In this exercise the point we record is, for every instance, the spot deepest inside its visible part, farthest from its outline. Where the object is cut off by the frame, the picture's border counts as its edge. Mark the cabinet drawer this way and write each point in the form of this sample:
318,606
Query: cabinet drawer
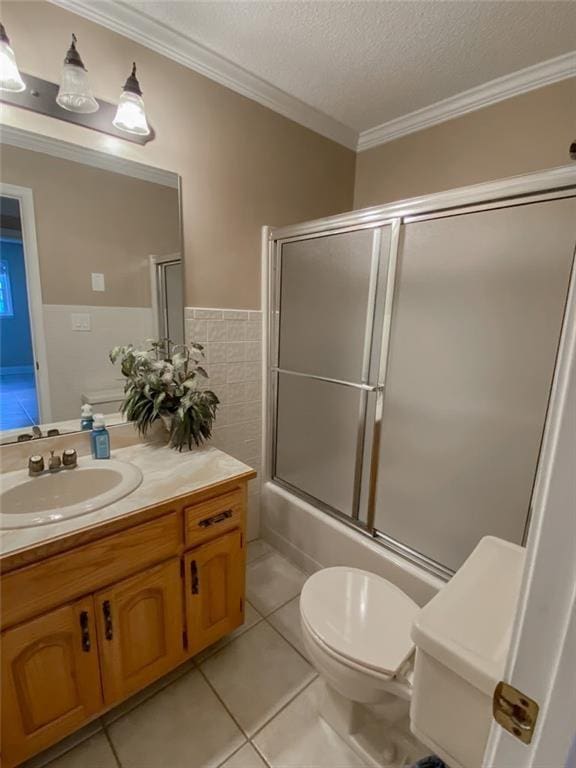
56,580
213,517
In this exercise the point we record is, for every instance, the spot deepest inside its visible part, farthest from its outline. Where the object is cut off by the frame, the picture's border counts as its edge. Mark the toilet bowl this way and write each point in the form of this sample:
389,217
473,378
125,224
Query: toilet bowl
356,629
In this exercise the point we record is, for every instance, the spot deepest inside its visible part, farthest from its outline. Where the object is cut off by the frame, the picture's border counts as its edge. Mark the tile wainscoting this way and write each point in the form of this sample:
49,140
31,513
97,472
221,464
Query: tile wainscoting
232,340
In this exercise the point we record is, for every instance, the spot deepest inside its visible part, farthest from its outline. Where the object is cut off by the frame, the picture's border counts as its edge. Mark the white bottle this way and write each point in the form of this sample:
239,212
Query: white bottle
86,419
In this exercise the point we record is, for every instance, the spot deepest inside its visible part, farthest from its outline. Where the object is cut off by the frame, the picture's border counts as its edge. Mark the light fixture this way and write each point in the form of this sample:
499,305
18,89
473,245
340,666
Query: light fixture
10,78
131,115
75,94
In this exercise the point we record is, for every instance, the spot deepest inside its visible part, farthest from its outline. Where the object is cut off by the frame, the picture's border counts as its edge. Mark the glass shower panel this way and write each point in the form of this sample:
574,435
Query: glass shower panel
477,314
316,438
325,292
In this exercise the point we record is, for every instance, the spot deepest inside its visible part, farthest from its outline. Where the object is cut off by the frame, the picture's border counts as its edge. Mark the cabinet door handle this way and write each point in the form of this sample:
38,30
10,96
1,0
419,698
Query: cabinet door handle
194,575
107,611
85,632
208,521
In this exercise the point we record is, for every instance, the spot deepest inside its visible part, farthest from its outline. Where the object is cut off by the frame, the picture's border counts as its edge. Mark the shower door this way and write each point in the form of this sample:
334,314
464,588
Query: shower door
477,313
324,370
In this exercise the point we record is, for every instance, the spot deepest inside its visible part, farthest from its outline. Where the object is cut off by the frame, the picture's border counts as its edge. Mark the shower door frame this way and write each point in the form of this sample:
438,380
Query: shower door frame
553,184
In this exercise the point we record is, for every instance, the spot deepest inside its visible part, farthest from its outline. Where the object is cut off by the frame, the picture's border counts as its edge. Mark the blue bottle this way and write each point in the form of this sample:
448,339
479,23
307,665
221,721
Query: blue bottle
100,438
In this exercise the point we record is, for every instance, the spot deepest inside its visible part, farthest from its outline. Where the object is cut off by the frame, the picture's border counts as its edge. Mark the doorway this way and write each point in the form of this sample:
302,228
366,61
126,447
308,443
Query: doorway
24,397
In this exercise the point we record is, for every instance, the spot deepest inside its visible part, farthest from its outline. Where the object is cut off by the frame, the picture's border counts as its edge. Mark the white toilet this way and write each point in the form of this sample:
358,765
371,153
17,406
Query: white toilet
358,630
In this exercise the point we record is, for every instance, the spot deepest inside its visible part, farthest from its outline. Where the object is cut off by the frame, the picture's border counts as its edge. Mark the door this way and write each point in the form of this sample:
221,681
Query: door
140,629
50,679
214,590
476,320
325,362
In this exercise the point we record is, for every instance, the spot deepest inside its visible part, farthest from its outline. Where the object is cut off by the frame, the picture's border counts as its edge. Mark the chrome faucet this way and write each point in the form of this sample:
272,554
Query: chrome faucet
36,466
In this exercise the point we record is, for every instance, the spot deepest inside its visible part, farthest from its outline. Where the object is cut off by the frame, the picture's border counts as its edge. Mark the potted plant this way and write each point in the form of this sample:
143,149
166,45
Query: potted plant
165,382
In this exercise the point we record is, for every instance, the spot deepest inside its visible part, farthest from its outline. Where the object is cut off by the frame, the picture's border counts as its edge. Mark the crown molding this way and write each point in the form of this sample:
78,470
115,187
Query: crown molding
170,43
545,73
18,137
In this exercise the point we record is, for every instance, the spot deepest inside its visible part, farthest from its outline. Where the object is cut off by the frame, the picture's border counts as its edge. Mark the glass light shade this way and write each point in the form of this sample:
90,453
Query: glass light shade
75,94
10,79
131,115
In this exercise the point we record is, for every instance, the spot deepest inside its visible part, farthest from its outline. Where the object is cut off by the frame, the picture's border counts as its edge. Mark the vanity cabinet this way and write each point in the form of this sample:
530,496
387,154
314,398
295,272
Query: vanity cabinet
50,679
115,609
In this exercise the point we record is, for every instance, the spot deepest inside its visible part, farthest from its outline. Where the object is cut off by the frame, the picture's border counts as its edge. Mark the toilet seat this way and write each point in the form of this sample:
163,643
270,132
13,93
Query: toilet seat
360,619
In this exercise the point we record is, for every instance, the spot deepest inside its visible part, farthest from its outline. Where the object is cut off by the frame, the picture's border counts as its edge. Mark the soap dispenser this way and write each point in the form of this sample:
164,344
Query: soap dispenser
86,418
100,438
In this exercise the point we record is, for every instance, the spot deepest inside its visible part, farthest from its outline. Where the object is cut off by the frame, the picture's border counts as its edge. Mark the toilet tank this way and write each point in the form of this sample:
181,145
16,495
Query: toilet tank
462,638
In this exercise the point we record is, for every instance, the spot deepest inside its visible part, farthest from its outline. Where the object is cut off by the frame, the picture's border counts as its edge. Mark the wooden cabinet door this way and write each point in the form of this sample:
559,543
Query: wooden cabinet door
214,590
50,679
140,629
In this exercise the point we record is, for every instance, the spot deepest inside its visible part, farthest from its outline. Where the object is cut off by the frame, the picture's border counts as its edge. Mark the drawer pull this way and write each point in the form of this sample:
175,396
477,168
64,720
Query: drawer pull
194,575
107,611
208,521
85,630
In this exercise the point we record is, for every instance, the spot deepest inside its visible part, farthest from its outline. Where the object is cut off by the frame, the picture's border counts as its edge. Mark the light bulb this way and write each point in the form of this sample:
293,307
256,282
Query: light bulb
75,93
10,78
131,114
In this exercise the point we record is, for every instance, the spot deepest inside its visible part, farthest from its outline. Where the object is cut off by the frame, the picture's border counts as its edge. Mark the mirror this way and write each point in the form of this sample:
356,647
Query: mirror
90,258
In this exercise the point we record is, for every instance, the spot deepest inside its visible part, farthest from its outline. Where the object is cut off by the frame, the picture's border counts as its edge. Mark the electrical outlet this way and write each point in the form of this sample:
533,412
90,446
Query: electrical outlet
80,321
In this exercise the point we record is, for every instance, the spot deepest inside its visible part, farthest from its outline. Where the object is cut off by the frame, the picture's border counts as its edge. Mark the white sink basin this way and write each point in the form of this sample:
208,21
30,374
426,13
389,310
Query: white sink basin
29,501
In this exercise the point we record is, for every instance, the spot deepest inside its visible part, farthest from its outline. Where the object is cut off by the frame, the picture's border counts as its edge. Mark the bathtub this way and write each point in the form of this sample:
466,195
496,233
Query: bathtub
313,539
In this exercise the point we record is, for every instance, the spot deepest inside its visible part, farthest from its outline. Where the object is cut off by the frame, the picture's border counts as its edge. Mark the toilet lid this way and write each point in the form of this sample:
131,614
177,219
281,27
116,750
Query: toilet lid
360,616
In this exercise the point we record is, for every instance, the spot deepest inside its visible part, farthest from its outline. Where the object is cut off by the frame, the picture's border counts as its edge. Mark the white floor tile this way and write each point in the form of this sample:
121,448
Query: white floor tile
271,581
299,737
93,753
183,726
247,757
257,549
287,621
146,693
251,617
256,675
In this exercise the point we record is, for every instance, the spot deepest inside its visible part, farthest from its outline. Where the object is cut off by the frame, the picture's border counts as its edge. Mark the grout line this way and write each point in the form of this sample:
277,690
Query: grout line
287,639
283,707
111,743
215,692
260,753
233,753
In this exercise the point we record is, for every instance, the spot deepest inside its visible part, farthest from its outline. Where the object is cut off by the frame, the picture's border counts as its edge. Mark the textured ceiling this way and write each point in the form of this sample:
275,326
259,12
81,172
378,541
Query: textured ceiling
365,63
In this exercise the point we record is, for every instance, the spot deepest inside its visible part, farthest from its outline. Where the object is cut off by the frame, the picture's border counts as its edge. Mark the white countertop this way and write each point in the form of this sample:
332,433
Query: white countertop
166,475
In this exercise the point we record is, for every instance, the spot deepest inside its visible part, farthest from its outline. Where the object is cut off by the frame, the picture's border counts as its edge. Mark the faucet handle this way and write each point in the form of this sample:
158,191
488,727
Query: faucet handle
35,465
69,458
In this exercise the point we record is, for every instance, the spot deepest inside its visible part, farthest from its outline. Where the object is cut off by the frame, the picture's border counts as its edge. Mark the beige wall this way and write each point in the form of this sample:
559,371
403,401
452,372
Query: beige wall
91,220
242,165
526,133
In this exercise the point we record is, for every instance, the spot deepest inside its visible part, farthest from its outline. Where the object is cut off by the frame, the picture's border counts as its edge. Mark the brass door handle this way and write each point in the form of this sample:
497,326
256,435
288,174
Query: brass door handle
194,577
107,611
85,632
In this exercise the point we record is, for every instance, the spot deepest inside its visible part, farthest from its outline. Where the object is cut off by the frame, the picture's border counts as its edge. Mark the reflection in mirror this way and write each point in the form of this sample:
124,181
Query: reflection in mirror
90,258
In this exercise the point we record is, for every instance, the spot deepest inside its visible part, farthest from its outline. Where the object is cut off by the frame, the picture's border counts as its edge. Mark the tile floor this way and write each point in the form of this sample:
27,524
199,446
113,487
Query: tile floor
18,401
246,702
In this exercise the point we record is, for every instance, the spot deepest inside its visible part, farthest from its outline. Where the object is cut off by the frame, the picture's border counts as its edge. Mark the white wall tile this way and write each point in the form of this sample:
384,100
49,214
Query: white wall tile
207,314
233,353
253,331
236,351
216,330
